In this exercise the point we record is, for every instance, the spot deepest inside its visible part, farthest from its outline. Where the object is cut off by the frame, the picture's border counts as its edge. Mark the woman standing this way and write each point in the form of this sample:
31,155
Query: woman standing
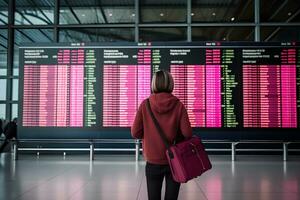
173,119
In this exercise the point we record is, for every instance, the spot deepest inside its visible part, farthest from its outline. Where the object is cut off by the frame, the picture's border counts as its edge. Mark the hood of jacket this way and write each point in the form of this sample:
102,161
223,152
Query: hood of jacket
163,102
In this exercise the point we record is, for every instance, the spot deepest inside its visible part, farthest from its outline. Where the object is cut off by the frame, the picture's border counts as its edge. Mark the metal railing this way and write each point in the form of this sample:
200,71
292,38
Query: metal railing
92,142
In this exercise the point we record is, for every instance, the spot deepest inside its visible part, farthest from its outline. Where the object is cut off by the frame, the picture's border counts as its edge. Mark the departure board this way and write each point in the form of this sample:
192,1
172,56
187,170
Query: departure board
58,88
125,85
99,86
269,88
205,86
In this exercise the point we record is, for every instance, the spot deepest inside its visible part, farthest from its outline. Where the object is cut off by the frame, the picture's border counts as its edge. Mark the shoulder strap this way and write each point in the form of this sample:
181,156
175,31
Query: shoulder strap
160,131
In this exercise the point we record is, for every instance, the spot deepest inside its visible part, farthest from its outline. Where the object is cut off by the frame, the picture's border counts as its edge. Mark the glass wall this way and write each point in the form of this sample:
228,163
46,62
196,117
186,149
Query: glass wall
3,56
280,33
222,11
280,11
171,11
2,89
223,34
96,12
23,36
3,12
34,12
3,52
96,35
2,111
162,34
34,21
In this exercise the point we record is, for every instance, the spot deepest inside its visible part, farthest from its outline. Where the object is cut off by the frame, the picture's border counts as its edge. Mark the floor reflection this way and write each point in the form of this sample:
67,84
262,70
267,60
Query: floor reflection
120,177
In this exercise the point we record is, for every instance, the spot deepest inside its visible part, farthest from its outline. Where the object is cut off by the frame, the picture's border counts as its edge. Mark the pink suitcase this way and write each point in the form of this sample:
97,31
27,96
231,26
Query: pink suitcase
188,159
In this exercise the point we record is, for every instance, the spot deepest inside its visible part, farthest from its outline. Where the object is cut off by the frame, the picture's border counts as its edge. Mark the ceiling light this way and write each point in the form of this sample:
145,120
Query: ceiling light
224,38
133,15
110,14
192,14
161,14
232,19
213,14
289,14
83,15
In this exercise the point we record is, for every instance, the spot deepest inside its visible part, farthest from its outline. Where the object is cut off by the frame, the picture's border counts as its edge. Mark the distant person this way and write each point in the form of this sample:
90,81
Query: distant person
10,132
4,123
173,119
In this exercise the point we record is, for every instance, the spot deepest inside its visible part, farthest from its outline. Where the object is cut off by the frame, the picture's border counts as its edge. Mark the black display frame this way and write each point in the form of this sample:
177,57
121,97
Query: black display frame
122,133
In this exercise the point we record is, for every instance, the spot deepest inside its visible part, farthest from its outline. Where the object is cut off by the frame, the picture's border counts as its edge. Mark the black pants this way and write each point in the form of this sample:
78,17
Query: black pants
155,175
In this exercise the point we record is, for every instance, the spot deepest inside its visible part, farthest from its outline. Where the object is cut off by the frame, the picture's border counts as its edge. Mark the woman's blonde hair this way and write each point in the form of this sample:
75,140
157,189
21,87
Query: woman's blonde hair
162,81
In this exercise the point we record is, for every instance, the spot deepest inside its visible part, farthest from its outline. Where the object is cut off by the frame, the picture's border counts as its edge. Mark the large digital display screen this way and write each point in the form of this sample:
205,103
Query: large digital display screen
59,88
126,83
99,87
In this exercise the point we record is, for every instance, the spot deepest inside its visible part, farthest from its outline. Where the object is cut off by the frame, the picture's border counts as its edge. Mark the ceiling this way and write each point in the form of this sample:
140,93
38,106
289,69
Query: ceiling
41,12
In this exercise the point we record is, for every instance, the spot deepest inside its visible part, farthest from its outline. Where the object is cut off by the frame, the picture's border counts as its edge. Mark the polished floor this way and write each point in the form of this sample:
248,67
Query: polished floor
74,177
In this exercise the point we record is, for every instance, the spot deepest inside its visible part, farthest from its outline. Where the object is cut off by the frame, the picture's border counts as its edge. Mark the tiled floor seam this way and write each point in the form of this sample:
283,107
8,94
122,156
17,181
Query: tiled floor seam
39,184
79,189
138,194
203,193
